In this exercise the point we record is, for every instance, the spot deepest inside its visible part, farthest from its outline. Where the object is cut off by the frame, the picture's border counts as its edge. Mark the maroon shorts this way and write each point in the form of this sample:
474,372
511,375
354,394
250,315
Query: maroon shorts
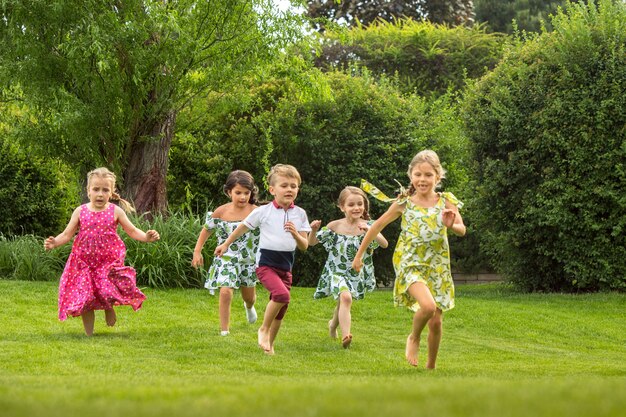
278,283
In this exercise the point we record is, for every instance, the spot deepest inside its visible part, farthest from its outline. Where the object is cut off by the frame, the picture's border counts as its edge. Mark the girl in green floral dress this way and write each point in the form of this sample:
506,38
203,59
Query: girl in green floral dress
236,268
341,238
422,256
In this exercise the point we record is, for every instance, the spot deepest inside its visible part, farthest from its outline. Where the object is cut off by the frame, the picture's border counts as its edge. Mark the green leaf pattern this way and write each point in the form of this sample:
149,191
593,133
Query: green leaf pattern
237,266
422,254
338,275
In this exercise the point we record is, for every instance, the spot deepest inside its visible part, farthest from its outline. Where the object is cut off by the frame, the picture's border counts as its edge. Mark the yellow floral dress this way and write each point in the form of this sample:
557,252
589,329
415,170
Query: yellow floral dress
422,253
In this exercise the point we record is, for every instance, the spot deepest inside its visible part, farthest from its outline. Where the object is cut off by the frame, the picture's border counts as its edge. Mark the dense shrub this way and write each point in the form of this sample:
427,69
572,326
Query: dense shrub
162,264
426,58
549,140
338,131
37,194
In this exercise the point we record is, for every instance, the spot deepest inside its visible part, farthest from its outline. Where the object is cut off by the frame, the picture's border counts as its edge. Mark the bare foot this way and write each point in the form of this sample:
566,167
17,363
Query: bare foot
110,317
264,339
332,330
412,349
345,342
270,351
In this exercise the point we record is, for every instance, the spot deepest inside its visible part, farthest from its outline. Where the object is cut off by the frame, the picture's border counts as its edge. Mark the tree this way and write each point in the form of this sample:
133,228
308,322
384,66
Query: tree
104,81
454,12
528,14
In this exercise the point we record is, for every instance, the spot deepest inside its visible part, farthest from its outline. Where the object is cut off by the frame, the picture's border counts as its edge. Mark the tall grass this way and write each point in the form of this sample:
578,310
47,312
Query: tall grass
162,264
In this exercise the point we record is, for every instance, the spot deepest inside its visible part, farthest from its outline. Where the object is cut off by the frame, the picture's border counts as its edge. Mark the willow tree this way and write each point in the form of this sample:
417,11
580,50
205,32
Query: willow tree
103,81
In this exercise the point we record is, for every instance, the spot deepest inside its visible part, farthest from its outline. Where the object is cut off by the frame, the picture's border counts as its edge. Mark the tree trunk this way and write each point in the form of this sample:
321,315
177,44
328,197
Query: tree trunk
145,176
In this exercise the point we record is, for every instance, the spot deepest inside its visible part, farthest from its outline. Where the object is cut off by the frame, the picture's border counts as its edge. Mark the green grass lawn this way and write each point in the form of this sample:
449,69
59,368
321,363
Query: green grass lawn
503,354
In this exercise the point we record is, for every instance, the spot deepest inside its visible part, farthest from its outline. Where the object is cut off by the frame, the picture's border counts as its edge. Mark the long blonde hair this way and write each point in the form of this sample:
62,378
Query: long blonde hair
104,173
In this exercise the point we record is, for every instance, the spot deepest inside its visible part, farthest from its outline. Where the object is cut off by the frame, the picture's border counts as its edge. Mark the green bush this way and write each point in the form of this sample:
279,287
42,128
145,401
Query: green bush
162,264
425,58
338,130
37,194
549,139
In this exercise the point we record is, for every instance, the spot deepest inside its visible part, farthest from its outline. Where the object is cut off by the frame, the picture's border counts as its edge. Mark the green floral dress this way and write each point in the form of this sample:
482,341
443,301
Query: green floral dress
338,275
422,253
234,268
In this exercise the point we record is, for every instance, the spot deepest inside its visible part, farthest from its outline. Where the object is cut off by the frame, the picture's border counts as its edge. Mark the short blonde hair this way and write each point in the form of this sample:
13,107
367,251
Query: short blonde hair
104,173
284,170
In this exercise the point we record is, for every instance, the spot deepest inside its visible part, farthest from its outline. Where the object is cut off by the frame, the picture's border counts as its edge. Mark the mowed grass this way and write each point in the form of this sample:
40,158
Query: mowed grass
503,354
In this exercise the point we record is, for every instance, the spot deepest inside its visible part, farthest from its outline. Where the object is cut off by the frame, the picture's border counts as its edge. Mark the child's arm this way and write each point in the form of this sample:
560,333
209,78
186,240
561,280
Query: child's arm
198,260
382,242
452,219
66,235
301,238
236,234
312,238
392,213
132,231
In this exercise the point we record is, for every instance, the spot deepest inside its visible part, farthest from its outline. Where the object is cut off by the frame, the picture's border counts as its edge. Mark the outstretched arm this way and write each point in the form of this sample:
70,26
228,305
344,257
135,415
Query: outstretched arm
394,211
132,231
66,235
236,234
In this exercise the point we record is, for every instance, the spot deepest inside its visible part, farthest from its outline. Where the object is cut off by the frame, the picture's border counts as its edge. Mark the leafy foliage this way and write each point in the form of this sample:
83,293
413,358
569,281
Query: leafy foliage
355,12
425,58
509,15
547,128
37,194
338,130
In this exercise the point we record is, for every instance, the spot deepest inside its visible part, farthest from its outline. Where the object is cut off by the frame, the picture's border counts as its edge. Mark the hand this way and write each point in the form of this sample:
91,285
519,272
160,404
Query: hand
315,225
220,250
197,261
364,227
357,264
448,217
49,243
152,236
291,228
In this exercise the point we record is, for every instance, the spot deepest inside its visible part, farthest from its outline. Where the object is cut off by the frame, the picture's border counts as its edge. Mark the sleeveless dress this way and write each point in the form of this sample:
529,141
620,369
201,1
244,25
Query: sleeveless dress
338,275
95,277
422,254
234,268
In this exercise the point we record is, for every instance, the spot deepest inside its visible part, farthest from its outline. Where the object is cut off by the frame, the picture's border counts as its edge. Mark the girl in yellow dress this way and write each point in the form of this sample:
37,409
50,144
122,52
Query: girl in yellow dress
422,257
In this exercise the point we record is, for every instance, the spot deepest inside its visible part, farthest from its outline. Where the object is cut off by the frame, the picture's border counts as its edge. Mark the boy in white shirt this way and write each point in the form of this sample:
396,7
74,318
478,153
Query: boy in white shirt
284,227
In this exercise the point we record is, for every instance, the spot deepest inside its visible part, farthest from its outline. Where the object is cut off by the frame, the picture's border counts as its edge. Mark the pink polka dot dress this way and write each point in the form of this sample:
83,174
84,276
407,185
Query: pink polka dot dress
95,277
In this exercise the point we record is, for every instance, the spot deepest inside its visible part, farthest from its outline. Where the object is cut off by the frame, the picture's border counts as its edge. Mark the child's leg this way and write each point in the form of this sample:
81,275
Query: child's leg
345,316
269,318
226,297
110,317
89,317
274,328
420,292
249,298
434,338
334,322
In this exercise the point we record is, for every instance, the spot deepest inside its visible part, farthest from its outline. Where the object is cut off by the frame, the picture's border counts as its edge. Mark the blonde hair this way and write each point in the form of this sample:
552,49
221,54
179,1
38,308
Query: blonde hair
104,173
349,190
284,170
430,157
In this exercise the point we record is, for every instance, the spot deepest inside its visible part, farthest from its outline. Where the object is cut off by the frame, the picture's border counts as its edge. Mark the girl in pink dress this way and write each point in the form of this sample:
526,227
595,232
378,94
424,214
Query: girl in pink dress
95,277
